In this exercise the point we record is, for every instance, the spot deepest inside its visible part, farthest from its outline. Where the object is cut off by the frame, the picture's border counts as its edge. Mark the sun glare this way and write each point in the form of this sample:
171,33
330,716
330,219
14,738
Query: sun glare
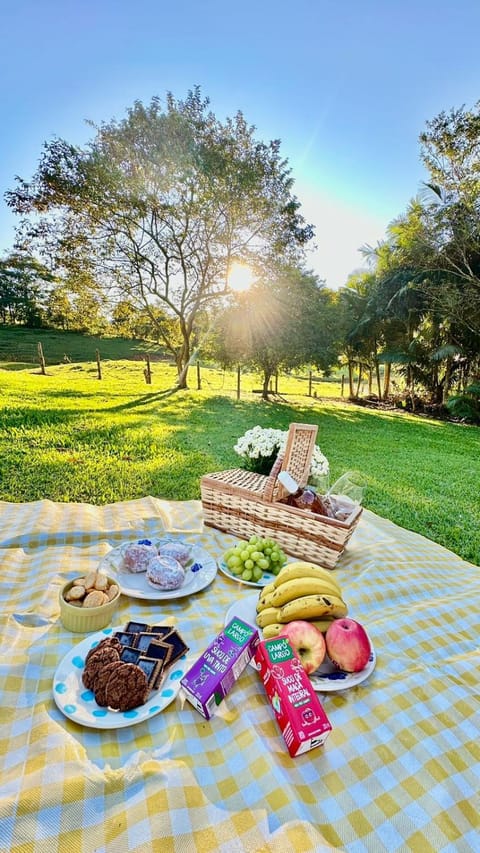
240,277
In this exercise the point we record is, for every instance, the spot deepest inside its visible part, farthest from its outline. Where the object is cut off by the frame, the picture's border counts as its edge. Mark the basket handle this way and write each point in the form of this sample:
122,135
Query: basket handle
296,460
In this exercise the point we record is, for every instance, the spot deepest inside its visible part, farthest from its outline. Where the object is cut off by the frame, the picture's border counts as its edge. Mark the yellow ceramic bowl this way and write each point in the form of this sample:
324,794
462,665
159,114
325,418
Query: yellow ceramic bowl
82,620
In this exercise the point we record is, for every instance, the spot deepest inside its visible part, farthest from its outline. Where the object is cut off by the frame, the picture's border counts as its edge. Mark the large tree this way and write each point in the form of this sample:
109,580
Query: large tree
286,320
159,205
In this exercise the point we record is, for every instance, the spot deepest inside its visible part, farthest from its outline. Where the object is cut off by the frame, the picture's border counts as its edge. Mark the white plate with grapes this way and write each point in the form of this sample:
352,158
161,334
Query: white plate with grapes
253,563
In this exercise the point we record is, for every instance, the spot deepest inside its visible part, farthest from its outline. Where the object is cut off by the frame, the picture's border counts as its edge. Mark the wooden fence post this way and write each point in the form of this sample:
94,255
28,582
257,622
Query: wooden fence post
309,383
147,371
199,381
238,382
41,358
343,384
99,366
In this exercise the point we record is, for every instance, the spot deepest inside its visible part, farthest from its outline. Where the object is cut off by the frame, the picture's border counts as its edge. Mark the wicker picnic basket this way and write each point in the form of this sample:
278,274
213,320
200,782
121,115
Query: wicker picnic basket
245,503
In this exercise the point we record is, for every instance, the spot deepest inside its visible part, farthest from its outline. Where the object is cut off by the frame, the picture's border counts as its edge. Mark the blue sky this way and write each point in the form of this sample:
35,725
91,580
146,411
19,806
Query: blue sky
347,85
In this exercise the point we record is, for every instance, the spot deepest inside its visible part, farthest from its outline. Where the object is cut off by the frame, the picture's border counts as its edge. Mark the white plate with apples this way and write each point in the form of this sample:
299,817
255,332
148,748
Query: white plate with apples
326,678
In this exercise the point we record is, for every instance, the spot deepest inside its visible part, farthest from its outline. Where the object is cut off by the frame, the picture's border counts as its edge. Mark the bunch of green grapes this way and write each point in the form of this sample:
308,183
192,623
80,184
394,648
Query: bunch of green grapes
249,560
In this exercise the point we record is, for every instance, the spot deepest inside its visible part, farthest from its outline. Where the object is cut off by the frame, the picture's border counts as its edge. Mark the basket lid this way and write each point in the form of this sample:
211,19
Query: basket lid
296,460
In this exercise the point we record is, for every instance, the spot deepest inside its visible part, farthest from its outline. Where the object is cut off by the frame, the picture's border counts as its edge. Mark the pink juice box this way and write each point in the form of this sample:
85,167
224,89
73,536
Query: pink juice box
213,675
302,720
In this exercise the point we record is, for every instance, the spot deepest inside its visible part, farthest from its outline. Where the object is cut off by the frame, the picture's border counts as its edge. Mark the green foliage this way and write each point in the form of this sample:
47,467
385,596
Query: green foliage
24,284
158,205
69,437
425,301
466,406
284,321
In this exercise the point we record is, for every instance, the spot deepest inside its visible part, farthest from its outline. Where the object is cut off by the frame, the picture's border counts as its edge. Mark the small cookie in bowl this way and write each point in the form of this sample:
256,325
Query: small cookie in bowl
88,603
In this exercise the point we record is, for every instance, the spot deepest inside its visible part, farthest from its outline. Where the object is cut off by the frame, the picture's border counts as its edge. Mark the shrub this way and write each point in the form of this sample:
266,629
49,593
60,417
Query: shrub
466,406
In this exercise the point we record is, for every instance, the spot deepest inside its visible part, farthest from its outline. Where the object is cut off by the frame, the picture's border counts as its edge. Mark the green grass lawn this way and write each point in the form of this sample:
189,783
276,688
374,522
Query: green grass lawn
68,436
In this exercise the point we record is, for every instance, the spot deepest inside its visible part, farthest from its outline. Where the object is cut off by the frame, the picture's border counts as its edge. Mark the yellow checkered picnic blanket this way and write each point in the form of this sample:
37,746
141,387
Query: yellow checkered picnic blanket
400,770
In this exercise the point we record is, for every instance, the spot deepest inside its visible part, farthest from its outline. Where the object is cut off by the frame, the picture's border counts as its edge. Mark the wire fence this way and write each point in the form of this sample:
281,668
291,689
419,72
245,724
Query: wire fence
105,358
159,372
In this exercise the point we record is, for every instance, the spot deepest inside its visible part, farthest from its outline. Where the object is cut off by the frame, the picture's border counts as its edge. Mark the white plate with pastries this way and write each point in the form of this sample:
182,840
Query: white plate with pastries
199,566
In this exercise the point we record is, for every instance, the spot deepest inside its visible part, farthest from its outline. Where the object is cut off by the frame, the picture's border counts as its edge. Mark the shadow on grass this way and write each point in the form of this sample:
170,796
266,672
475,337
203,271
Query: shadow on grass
13,366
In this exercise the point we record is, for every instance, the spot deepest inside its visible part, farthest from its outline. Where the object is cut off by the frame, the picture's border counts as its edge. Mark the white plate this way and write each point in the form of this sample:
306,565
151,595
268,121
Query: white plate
76,702
327,678
199,572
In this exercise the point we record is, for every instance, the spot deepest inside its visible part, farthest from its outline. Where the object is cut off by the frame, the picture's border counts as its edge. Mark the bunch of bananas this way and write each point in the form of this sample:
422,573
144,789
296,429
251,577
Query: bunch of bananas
300,591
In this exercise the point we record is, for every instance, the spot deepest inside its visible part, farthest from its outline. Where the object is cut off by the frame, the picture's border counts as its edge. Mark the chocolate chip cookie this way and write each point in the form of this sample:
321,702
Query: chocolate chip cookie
102,680
108,641
127,688
98,659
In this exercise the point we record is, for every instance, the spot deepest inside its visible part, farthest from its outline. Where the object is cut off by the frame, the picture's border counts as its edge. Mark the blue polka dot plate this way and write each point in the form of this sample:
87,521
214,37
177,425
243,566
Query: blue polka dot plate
78,703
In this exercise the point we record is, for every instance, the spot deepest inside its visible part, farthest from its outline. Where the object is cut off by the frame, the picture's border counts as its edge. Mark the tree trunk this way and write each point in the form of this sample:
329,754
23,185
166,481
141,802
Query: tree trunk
267,374
379,384
446,381
350,378
370,380
183,357
386,380
182,368
182,375
360,373
437,388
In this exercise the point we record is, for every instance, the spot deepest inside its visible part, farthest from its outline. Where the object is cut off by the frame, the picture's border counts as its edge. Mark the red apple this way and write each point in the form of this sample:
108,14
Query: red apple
348,646
307,641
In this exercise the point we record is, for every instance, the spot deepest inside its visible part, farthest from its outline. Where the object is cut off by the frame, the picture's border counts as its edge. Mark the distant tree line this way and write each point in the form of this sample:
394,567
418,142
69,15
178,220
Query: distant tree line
135,234
31,295
419,307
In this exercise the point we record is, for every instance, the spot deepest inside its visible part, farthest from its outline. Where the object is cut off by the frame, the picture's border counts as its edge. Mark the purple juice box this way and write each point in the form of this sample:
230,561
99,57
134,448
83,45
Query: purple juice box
213,675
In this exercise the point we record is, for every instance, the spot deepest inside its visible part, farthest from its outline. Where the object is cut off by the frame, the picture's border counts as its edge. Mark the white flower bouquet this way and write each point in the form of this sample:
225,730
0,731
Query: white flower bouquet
259,448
